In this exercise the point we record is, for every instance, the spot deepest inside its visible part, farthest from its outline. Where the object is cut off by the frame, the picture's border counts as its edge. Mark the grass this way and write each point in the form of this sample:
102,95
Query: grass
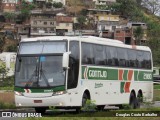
156,86
7,106
7,88
93,118
156,96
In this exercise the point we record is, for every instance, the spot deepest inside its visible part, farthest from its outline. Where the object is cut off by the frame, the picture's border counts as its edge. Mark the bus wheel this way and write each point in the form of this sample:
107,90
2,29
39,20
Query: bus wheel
84,99
41,110
139,100
133,101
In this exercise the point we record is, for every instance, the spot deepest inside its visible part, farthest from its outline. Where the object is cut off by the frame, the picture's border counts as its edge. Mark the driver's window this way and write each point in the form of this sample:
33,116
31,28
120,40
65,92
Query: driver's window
73,65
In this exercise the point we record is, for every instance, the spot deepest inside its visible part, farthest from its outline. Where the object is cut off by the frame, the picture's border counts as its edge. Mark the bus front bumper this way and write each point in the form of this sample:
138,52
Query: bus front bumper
59,100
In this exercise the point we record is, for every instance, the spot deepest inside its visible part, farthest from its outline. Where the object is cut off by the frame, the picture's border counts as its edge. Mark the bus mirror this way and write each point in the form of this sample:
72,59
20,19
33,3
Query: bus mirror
65,60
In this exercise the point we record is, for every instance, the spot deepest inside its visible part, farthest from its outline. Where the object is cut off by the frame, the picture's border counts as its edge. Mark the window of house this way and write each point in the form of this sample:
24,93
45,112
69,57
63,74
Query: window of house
45,23
67,24
51,23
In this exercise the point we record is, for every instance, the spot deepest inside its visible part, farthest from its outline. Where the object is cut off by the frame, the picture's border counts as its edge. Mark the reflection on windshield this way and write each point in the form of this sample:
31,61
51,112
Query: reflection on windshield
40,71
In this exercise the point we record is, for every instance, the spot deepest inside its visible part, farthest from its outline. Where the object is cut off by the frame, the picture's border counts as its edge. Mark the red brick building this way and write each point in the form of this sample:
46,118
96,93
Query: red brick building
123,34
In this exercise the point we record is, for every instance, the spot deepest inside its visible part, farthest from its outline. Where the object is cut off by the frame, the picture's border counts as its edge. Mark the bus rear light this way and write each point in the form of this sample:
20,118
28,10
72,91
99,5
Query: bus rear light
18,93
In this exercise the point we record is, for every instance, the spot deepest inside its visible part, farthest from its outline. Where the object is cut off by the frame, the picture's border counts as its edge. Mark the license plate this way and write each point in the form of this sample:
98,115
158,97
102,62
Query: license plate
37,101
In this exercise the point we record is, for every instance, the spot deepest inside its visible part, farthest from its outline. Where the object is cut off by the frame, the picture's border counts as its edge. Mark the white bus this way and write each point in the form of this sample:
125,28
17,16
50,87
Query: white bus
65,71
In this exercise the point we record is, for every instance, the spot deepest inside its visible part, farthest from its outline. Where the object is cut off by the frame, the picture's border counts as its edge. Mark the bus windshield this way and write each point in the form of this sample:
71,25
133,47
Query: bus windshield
39,71
39,64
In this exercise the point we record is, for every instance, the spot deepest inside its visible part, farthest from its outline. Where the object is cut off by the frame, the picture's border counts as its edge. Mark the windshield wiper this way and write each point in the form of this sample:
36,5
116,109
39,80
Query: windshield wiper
43,75
31,78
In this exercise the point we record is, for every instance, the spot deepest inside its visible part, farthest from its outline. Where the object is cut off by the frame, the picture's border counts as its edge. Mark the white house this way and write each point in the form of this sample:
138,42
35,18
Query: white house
9,58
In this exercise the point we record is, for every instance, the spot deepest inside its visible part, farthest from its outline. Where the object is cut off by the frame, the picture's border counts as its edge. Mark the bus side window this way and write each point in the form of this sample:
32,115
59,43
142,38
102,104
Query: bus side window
87,53
99,55
140,59
132,58
147,60
123,57
73,65
112,56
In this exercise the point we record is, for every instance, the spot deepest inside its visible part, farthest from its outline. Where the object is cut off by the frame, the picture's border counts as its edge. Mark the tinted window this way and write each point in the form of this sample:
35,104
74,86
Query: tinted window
147,60
140,59
132,58
87,53
112,56
73,65
122,57
99,55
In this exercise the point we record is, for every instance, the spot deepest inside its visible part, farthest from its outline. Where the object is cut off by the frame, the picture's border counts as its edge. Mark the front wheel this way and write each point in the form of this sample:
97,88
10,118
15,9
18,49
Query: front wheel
84,99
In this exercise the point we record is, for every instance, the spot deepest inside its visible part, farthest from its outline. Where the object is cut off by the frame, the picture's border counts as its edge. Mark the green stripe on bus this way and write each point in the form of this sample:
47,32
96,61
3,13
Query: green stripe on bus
94,73
122,87
112,74
136,75
125,75
60,88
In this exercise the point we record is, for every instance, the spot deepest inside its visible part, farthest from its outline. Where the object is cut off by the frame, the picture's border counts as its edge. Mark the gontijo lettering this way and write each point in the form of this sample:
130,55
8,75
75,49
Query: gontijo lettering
98,73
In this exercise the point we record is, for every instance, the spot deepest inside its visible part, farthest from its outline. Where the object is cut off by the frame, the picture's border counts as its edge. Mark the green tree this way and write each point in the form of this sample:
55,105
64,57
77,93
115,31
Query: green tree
57,5
9,16
3,69
124,7
81,20
84,12
25,9
48,5
138,34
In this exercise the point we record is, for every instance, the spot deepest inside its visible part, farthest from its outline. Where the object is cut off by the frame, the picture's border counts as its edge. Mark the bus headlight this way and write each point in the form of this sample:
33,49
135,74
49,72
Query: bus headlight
59,93
18,93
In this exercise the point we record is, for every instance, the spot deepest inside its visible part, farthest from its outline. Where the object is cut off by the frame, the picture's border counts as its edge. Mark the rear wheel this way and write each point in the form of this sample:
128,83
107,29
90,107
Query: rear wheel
139,100
133,101
41,110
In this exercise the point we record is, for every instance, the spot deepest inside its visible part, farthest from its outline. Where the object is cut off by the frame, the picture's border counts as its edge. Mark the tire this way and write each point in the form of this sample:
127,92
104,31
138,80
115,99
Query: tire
41,110
84,99
139,100
133,101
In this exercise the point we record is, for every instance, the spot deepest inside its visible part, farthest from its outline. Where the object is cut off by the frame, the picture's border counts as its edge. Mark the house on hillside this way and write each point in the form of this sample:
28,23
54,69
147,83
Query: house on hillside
9,5
42,23
103,2
106,24
134,25
123,34
64,24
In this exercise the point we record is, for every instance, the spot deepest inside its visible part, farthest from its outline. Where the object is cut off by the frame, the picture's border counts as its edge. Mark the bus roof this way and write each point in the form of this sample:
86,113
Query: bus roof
88,39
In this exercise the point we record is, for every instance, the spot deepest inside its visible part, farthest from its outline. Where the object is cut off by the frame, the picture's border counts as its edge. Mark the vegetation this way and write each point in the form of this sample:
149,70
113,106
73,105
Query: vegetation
25,9
94,118
90,106
57,5
7,106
